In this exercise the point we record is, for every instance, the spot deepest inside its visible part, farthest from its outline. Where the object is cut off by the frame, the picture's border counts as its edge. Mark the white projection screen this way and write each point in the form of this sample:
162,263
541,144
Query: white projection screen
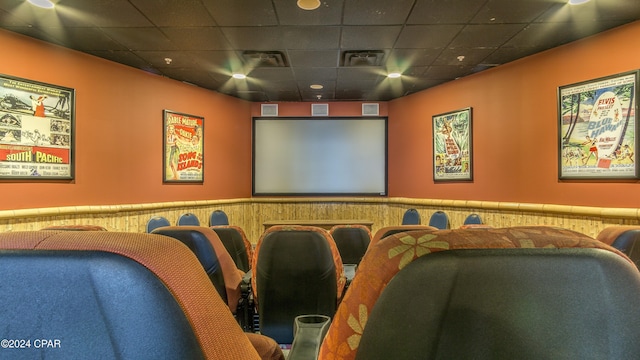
328,156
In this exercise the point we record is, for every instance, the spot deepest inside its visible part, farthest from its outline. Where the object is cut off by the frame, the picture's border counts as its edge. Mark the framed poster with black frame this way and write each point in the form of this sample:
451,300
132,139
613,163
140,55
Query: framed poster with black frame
453,146
183,150
597,128
37,123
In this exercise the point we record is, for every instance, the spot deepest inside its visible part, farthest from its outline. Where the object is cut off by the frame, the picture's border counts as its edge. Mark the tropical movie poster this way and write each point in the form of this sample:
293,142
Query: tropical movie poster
598,128
36,130
183,147
452,145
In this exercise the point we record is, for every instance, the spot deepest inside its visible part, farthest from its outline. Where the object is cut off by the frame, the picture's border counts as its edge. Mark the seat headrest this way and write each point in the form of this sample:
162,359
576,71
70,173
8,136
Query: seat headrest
383,261
86,287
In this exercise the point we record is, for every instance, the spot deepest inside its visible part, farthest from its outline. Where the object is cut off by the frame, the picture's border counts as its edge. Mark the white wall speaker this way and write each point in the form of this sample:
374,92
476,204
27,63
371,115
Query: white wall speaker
319,109
269,110
371,109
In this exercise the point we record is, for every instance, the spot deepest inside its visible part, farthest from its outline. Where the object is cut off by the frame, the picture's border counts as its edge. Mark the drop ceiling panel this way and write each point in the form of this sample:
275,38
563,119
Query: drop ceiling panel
376,12
254,37
427,36
369,37
197,38
311,37
242,12
174,12
421,38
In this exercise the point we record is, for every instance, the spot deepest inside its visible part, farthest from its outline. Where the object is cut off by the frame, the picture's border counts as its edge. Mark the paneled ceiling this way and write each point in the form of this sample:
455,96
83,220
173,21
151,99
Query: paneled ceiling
347,46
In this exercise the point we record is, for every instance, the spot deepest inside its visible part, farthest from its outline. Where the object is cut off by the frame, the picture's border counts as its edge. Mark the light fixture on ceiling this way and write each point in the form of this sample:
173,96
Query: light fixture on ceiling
394,75
45,4
316,87
239,76
577,2
308,4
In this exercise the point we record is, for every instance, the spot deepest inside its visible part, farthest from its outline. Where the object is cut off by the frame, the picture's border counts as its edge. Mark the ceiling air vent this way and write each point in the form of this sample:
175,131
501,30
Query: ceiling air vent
362,58
265,58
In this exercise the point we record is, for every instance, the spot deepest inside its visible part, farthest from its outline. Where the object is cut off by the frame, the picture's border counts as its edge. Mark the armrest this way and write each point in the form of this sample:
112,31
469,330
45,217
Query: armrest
308,333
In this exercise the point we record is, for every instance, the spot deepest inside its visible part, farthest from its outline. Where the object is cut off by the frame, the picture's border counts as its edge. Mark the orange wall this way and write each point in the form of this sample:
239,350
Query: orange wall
515,130
119,129
118,149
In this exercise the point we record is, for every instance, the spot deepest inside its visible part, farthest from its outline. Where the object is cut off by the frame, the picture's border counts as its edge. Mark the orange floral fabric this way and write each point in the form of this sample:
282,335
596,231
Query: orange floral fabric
337,260
390,255
383,231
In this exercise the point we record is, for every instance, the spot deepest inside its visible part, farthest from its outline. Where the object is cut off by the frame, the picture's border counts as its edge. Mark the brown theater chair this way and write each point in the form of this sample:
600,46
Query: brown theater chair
238,246
297,270
111,295
625,238
394,229
352,242
513,293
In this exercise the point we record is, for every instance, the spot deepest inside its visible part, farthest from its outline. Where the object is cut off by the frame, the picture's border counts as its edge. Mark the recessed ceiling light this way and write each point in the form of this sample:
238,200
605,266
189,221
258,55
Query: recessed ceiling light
239,76
308,4
45,4
577,2
316,87
394,75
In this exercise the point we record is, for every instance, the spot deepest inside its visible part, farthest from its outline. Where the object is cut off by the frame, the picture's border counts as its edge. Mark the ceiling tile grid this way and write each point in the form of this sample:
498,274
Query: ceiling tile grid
347,46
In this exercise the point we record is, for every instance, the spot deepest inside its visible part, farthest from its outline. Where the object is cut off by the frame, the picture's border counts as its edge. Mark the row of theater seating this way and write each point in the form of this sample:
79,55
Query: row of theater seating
383,260
438,219
217,217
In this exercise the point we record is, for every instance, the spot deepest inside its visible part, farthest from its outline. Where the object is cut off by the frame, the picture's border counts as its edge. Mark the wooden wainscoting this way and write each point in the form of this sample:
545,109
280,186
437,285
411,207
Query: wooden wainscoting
251,213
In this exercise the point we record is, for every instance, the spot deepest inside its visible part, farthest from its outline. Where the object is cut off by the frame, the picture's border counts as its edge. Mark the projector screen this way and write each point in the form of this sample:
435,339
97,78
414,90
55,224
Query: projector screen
328,156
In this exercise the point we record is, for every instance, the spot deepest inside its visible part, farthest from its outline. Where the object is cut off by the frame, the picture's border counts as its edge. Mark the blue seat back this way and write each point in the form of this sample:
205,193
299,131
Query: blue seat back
472,219
218,217
439,220
156,222
188,219
411,217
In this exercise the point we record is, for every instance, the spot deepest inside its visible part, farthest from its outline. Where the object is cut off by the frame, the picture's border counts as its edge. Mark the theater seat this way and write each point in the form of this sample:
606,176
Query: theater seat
215,260
352,242
238,246
218,217
297,270
624,238
513,293
156,222
440,220
188,219
411,217
111,295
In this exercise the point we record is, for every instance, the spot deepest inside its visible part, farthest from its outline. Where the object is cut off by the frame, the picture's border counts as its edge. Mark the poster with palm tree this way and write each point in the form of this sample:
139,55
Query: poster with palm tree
452,146
597,128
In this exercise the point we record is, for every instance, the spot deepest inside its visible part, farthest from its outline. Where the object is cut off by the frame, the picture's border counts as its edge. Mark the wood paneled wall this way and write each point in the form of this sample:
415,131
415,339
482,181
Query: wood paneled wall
251,213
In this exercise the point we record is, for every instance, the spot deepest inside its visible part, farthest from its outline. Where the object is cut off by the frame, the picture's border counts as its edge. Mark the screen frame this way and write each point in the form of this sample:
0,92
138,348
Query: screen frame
320,194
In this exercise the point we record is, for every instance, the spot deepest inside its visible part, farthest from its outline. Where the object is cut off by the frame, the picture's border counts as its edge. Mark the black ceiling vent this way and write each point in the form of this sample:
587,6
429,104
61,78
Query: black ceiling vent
265,58
362,58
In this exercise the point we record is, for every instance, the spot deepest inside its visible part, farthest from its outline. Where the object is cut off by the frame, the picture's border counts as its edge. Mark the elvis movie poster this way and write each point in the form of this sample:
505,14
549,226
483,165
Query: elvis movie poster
36,130
597,128
183,147
452,147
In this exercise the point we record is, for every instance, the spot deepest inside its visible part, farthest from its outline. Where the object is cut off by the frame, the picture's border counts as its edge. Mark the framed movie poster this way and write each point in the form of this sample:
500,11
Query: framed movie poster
183,159
36,130
452,146
597,128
